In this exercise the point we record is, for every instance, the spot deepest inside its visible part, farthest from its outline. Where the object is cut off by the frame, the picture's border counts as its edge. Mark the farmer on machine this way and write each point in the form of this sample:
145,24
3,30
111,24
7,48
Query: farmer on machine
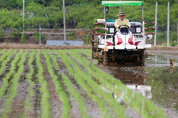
121,21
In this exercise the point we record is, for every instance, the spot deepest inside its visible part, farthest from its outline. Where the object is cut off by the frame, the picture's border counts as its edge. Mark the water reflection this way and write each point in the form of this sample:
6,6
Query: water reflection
165,76
134,78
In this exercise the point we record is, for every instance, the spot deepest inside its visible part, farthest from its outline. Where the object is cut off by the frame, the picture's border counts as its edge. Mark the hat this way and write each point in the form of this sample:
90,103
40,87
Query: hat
121,13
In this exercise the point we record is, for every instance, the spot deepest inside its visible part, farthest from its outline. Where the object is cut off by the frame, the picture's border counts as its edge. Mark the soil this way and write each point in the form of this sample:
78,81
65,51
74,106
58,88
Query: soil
37,46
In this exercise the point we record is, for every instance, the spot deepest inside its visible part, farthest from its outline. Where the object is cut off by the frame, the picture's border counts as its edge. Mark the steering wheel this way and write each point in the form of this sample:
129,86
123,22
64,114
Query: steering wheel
122,26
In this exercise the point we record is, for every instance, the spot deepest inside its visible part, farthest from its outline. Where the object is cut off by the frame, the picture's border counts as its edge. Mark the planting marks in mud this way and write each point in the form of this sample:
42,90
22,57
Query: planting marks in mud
67,84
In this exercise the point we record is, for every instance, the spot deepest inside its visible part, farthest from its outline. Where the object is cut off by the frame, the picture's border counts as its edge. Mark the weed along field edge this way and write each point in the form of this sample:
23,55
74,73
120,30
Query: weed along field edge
65,83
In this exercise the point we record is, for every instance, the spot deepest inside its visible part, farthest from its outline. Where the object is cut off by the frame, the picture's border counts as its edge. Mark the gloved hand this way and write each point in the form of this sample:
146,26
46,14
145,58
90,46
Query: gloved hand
118,26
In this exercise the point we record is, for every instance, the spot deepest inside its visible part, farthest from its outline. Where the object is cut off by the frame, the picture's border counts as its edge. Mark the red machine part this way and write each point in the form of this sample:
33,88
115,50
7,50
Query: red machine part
109,43
136,43
119,40
130,41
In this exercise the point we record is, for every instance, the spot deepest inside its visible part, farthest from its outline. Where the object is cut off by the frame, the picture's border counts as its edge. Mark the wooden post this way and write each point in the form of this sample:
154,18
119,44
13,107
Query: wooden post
168,26
155,23
177,31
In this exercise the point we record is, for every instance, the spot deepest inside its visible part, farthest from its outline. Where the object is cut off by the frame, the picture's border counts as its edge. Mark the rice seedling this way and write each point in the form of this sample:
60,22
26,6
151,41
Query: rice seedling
5,55
10,73
71,89
63,97
45,94
28,104
2,51
124,89
95,87
120,87
15,84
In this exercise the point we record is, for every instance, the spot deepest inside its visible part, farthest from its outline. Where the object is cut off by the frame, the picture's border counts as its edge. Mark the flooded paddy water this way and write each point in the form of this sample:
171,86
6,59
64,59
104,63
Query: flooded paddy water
157,80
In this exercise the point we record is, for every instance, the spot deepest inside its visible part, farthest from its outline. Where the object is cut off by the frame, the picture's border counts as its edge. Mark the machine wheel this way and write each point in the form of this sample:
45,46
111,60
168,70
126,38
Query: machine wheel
93,54
100,59
142,59
105,59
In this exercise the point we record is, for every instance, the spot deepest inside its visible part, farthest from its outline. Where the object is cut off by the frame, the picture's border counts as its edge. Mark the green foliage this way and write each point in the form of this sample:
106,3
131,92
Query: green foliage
164,44
29,77
172,43
84,11
23,38
16,33
56,27
1,35
72,36
101,31
45,94
87,39
37,36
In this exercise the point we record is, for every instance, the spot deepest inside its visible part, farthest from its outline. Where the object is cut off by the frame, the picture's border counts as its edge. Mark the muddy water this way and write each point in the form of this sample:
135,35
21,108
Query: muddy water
157,80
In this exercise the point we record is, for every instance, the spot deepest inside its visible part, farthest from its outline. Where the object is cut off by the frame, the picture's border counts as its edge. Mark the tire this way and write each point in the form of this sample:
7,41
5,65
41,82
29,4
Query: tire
100,59
93,54
142,59
105,59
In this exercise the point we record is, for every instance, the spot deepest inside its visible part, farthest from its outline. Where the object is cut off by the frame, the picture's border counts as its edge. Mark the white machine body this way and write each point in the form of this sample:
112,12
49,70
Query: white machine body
124,39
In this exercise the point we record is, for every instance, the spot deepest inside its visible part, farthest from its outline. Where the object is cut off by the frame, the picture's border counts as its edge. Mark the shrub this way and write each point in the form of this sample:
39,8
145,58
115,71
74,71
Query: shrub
37,37
173,43
1,35
164,44
72,36
23,39
56,27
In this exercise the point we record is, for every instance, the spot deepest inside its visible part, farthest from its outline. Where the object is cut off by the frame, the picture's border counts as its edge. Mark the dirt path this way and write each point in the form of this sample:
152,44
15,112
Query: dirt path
36,46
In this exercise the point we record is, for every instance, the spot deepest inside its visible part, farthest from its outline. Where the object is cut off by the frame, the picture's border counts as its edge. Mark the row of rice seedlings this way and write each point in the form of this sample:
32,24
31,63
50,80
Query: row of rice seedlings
28,104
3,64
9,74
87,52
5,55
45,94
63,97
79,76
71,89
15,84
2,51
108,97
130,97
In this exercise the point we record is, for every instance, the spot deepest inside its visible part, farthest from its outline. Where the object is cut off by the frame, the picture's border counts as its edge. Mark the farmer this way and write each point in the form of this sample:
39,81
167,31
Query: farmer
121,21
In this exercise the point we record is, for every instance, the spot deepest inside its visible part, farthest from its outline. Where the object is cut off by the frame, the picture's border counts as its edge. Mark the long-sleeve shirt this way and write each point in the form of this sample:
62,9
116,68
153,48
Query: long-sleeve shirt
120,22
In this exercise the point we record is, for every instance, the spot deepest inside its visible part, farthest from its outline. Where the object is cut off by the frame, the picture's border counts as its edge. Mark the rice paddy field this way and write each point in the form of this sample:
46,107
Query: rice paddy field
65,84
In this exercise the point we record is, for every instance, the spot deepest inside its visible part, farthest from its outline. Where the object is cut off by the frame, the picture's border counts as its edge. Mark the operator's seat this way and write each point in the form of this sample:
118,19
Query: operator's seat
124,31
